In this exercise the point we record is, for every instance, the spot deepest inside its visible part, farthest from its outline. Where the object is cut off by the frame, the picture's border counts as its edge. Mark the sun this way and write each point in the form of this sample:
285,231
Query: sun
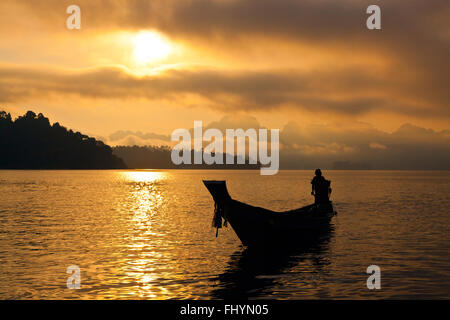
150,47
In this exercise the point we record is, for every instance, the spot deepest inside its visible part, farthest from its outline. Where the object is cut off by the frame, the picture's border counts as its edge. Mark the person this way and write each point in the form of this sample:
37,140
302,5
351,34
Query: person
320,188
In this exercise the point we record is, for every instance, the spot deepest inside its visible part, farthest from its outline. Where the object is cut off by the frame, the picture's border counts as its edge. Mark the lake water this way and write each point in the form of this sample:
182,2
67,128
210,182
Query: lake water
148,235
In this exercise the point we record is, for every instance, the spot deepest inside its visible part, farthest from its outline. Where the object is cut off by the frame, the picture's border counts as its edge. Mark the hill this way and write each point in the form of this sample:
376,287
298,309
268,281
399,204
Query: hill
31,142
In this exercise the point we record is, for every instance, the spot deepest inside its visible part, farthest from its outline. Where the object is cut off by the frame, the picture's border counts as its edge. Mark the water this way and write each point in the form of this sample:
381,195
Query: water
148,235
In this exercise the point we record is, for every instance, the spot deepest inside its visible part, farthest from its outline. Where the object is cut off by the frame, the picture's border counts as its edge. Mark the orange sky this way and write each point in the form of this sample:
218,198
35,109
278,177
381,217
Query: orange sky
155,66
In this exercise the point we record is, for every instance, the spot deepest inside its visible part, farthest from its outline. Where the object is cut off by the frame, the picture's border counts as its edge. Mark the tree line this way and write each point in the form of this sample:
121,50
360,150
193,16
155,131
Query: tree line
31,142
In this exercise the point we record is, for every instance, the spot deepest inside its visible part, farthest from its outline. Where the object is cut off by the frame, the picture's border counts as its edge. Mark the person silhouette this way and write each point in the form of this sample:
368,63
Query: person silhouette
320,188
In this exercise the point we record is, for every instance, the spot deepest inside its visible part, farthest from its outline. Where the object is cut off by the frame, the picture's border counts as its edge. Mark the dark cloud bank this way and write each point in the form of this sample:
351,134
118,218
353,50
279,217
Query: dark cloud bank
347,91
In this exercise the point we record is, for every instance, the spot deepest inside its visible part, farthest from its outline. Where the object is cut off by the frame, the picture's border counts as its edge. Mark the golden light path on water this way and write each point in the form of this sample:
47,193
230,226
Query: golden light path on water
148,255
148,199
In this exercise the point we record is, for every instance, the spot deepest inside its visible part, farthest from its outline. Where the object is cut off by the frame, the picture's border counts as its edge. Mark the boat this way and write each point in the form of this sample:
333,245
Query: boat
257,226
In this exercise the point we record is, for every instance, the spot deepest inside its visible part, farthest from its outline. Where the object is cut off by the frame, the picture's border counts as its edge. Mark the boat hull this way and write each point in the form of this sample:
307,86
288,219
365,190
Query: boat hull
257,226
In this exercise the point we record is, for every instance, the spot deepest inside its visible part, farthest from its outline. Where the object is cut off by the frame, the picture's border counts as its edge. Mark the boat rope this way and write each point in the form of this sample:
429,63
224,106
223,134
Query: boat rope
217,218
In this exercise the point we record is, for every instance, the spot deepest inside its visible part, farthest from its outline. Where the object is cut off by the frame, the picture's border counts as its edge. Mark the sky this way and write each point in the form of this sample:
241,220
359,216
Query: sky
137,70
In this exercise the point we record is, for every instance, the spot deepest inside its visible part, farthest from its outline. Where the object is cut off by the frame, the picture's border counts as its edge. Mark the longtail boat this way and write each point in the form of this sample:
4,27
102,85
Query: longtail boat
257,226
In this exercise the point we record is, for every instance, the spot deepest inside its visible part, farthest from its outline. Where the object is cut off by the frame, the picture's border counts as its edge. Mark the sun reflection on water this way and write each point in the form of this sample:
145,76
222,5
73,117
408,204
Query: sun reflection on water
144,176
145,243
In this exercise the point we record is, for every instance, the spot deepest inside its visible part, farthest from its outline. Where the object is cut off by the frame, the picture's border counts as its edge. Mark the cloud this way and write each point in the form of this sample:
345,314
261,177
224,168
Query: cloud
349,91
133,140
408,148
309,18
235,121
323,148
308,146
138,138
149,135
376,145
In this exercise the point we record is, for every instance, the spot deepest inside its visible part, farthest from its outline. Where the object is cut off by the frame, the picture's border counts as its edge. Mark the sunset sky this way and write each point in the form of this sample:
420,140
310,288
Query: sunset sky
310,68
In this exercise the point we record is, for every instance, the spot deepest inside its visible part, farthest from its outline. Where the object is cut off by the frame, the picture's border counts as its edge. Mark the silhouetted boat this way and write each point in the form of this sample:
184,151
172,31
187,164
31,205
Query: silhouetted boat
257,226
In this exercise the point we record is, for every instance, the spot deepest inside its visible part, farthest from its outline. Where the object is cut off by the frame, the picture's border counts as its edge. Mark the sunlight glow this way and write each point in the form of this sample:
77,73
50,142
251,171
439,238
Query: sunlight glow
150,47
144,176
